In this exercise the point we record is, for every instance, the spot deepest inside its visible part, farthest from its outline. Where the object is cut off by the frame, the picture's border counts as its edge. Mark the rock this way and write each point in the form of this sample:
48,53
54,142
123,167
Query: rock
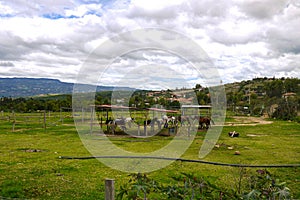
237,153
33,150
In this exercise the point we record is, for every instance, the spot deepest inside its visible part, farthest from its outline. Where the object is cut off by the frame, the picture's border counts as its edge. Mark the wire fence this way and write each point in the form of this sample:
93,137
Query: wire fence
185,160
33,120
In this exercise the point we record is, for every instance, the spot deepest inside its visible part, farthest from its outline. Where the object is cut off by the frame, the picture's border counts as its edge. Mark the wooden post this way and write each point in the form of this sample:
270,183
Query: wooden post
145,129
109,189
14,121
13,128
92,120
107,114
60,116
44,125
82,115
139,130
152,127
13,125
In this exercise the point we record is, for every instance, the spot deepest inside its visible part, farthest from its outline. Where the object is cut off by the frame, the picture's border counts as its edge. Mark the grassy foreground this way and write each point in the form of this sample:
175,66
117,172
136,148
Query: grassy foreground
30,167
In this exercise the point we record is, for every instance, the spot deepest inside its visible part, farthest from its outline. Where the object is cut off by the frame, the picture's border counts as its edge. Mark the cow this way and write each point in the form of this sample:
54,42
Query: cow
205,122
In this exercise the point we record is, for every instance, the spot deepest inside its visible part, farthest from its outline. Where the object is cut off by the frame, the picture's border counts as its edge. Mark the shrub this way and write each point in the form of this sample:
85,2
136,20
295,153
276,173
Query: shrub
264,186
261,185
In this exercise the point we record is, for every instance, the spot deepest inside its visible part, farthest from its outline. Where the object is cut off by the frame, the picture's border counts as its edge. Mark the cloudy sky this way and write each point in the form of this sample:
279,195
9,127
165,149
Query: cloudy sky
243,39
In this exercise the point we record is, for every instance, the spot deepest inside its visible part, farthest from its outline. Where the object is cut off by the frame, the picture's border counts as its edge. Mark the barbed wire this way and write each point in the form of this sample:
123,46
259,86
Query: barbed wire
184,160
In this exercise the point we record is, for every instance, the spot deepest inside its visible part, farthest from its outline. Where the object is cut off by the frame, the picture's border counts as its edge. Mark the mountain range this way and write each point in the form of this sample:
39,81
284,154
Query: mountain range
27,87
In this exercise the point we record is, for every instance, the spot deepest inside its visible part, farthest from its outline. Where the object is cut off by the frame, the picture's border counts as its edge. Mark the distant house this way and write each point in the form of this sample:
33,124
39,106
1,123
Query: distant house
185,100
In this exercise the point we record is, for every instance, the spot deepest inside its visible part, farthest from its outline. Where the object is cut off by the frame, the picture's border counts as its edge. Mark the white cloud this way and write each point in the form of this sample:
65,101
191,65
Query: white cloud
260,10
244,38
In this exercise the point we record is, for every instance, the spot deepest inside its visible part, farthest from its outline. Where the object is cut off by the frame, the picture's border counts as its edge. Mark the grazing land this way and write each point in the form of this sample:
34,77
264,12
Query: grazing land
30,167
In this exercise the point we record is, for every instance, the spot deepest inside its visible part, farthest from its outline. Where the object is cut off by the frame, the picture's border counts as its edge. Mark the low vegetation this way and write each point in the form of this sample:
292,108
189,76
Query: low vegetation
30,167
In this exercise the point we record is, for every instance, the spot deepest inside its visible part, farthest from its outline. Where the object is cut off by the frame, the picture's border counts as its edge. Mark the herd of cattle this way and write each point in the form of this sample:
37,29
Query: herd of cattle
165,122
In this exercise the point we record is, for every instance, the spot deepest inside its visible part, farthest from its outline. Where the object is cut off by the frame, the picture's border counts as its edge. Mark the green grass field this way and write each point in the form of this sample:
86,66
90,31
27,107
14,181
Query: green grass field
30,167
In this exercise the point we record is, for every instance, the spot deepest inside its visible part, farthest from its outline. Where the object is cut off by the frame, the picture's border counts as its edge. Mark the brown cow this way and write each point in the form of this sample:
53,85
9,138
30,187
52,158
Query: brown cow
204,122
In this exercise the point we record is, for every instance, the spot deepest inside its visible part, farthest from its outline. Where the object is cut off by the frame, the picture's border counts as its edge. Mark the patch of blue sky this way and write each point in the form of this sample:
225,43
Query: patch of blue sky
6,15
94,12
106,4
55,16
58,16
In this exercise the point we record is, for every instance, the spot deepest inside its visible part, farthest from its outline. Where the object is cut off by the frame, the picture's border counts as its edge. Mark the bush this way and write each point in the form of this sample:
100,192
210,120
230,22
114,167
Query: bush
297,119
264,186
260,185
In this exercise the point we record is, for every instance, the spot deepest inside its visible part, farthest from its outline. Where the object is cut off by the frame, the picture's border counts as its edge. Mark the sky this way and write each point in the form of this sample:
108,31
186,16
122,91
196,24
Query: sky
65,40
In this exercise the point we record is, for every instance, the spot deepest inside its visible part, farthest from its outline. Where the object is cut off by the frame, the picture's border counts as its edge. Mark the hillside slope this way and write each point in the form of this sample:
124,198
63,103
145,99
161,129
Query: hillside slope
25,87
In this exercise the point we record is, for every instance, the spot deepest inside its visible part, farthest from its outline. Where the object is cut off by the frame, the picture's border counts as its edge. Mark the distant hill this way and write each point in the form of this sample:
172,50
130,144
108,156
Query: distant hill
26,87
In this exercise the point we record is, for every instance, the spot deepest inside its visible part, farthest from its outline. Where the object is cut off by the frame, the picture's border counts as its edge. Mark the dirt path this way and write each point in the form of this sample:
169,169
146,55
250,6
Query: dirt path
247,121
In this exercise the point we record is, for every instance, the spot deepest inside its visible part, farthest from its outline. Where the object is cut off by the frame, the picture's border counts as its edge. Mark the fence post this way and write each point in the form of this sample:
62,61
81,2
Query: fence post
92,119
109,189
44,121
14,121
60,117
13,125
152,127
139,131
82,115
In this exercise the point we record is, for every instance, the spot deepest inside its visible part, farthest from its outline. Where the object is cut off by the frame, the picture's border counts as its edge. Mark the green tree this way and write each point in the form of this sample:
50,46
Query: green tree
198,86
274,88
287,109
292,85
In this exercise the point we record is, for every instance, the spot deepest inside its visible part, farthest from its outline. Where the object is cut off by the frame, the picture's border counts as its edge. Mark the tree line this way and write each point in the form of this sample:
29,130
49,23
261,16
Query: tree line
279,98
25,105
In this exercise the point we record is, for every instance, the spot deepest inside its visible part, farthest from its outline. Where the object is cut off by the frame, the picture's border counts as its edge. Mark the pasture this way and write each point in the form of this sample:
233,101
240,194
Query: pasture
30,167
